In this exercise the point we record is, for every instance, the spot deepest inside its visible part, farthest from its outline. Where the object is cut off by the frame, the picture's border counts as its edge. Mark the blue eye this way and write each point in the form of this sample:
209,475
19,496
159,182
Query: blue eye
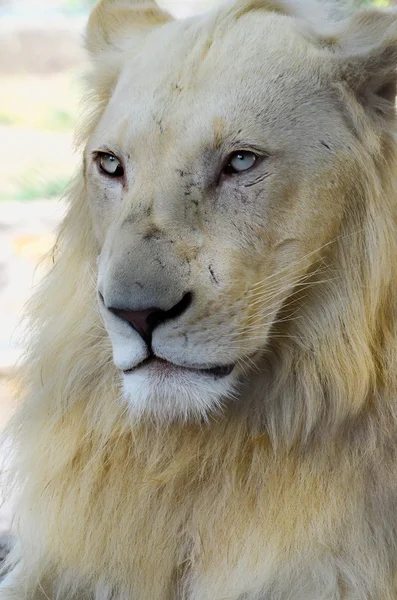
110,165
240,161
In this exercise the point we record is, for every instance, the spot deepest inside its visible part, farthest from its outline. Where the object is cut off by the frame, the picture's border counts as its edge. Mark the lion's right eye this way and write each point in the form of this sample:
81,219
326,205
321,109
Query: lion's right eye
240,161
109,165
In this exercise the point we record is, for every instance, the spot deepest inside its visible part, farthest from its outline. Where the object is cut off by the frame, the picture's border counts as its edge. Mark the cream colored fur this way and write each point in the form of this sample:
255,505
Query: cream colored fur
280,483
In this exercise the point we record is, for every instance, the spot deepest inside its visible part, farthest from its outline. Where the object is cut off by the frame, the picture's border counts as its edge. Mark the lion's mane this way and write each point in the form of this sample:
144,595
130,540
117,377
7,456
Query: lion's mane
89,478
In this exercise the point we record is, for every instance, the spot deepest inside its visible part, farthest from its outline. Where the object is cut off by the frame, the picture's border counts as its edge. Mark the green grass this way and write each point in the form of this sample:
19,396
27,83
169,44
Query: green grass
47,103
56,121
30,189
79,4
6,119
380,3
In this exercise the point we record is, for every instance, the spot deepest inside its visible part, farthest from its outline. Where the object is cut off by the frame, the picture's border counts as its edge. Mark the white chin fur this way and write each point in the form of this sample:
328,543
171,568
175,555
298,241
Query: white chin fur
182,396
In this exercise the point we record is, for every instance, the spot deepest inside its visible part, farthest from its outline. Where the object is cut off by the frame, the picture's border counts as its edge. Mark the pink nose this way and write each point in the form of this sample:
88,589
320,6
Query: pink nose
143,321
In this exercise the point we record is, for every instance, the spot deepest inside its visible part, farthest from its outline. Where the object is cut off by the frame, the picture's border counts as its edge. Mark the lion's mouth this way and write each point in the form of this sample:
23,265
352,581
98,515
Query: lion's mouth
164,366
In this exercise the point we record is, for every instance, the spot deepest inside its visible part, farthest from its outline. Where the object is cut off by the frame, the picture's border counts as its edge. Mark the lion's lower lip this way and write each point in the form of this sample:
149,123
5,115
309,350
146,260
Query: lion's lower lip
164,365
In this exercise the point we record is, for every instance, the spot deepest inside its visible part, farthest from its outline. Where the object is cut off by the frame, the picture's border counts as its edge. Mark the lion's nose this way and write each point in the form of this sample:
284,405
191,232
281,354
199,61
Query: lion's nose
145,321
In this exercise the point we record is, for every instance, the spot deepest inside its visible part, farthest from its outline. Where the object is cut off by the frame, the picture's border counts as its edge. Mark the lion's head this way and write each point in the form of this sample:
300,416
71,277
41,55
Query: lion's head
232,164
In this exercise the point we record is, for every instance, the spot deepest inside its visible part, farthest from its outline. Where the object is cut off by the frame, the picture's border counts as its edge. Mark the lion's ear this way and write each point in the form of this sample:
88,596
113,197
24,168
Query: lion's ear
120,25
369,63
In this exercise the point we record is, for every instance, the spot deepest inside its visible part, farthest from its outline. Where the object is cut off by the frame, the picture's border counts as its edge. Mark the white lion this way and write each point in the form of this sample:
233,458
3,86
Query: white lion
210,408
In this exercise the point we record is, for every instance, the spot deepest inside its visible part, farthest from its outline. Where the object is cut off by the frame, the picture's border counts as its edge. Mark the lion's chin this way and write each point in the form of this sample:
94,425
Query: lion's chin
160,390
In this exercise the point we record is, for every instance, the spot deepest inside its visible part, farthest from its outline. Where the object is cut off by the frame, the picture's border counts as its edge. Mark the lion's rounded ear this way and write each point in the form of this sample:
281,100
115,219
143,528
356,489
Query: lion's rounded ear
369,62
121,24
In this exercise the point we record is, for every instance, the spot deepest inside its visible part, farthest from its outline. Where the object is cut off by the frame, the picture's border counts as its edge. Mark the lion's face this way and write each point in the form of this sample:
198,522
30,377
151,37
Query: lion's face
215,175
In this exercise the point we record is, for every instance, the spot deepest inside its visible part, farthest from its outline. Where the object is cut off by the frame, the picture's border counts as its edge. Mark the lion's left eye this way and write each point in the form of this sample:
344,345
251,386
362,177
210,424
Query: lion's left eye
240,161
110,165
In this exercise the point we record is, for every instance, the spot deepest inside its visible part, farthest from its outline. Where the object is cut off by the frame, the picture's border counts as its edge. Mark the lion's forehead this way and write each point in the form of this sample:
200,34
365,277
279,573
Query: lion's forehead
209,82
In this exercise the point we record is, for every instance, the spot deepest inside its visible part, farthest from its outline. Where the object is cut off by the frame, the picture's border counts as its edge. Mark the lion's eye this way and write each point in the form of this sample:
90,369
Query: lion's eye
110,165
240,161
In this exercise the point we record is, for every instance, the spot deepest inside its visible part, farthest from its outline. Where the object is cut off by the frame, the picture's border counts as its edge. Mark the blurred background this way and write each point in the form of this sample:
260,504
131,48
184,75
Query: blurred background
41,67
